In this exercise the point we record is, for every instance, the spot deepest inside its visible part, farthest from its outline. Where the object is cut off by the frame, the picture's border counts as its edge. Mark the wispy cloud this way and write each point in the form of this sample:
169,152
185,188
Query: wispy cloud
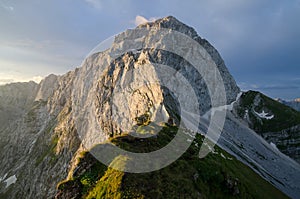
284,90
95,3
141,20
296,79
278,87
29,43
8,8
246,86
13,79
5,81
25,60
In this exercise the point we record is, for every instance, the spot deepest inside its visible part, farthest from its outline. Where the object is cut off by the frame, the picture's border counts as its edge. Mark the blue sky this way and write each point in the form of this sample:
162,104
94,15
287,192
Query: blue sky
258,39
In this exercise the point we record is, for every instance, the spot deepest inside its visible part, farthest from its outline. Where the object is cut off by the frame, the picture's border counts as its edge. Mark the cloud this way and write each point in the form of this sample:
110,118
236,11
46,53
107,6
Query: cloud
282,90
95,3
246,86
9,8
39,57
6,81
13,79
34,44
37,79
278,87
141,20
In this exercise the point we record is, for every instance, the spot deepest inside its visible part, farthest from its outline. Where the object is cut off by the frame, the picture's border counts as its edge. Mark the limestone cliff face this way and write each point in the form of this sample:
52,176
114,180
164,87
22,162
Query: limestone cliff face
120,88
46,87
172,23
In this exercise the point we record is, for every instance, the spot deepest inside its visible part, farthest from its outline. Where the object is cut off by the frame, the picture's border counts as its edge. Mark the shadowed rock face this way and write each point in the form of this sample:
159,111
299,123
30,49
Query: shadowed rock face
275,122
172,23
64,115
15,99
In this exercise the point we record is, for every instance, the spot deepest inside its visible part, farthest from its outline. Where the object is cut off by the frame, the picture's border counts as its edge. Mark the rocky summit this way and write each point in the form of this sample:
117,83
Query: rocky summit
143,84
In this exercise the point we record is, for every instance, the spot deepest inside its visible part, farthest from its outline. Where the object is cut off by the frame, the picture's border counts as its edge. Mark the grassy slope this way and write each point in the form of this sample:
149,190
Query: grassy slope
284,116
188,177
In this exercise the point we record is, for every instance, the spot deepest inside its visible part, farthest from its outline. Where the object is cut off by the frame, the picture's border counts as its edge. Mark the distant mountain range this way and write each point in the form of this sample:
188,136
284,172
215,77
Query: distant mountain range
51,131
295,104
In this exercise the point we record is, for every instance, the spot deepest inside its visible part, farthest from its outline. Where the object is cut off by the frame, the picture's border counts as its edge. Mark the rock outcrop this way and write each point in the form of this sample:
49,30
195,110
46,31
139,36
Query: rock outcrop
277,123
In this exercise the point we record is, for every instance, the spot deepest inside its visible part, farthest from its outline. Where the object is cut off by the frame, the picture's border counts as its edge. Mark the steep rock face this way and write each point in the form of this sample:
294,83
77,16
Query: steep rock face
37,146
15,99
287,141
278,124
172,23
119,88
47,87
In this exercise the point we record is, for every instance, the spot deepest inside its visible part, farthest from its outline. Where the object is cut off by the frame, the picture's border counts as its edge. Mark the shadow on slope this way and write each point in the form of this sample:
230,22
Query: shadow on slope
218,175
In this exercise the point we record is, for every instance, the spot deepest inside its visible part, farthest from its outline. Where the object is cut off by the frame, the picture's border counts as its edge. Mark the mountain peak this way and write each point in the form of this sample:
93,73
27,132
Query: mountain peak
173,23
169,19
